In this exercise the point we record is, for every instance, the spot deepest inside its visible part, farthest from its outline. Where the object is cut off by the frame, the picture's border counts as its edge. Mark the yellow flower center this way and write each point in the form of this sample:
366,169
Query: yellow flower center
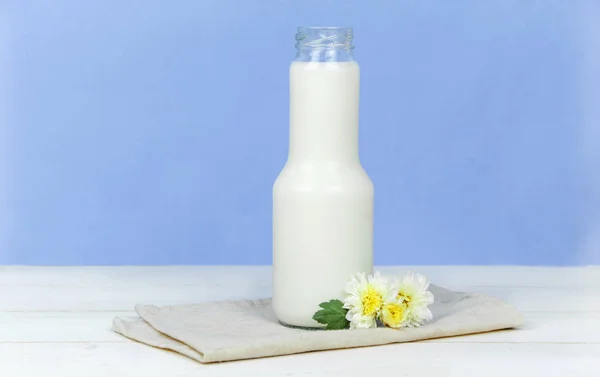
371,302
393,314
406,298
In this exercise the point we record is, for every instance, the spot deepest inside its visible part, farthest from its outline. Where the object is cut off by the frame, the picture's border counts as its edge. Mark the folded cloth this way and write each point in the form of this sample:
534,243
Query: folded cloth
246,329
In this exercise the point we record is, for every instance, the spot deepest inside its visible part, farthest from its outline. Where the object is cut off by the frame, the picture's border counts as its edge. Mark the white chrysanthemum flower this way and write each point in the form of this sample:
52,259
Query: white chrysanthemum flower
411,291
394,315
366,296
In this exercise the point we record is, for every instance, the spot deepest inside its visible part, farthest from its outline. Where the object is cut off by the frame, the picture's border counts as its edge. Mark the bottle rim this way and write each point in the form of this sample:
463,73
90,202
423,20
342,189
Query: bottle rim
324,37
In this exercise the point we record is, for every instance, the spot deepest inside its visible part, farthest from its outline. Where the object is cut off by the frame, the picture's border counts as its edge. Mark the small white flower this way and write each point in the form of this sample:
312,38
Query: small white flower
411,291
366,296
393,315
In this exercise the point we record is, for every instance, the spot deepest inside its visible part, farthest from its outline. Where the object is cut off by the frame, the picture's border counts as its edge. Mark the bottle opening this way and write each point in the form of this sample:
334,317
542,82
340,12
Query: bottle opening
324,37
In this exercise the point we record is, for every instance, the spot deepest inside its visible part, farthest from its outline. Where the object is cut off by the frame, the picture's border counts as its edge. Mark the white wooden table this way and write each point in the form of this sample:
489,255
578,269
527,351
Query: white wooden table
55,321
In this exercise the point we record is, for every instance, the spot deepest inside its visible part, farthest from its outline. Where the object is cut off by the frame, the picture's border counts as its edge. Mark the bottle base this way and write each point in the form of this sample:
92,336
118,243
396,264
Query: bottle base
301,327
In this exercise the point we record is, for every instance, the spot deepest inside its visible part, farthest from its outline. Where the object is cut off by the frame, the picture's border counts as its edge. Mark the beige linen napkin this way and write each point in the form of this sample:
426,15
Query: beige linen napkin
235,330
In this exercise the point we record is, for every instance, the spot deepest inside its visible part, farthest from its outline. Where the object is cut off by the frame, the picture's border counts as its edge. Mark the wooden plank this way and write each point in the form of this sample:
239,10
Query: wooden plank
543,327
96,327
451,276
60,318
60,327
120,288
410,359
119,296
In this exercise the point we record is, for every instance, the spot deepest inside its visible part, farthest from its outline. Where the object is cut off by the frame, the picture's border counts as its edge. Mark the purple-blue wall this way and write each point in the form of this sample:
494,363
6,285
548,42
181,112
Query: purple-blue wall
150,132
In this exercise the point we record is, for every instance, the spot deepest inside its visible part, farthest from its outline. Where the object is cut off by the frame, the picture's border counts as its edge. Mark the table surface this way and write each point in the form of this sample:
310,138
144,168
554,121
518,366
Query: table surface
56,321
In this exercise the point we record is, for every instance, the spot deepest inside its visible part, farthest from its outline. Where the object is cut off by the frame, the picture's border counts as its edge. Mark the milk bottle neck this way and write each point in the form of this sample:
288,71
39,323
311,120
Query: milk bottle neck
324,86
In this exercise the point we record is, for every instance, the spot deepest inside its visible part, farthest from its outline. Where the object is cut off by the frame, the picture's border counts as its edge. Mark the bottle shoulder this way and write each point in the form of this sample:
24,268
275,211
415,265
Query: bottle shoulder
324,176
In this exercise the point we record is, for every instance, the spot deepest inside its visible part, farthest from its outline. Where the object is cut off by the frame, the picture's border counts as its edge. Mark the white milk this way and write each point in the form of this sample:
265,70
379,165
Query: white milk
323,198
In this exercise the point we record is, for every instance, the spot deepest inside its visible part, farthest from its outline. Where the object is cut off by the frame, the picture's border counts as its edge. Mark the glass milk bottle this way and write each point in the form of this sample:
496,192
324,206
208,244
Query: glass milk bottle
323,198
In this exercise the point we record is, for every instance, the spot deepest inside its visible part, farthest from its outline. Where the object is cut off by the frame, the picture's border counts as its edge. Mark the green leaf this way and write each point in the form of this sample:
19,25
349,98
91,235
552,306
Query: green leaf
333,315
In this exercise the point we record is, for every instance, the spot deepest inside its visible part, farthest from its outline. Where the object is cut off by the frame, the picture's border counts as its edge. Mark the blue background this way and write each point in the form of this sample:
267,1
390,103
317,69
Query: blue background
150,132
